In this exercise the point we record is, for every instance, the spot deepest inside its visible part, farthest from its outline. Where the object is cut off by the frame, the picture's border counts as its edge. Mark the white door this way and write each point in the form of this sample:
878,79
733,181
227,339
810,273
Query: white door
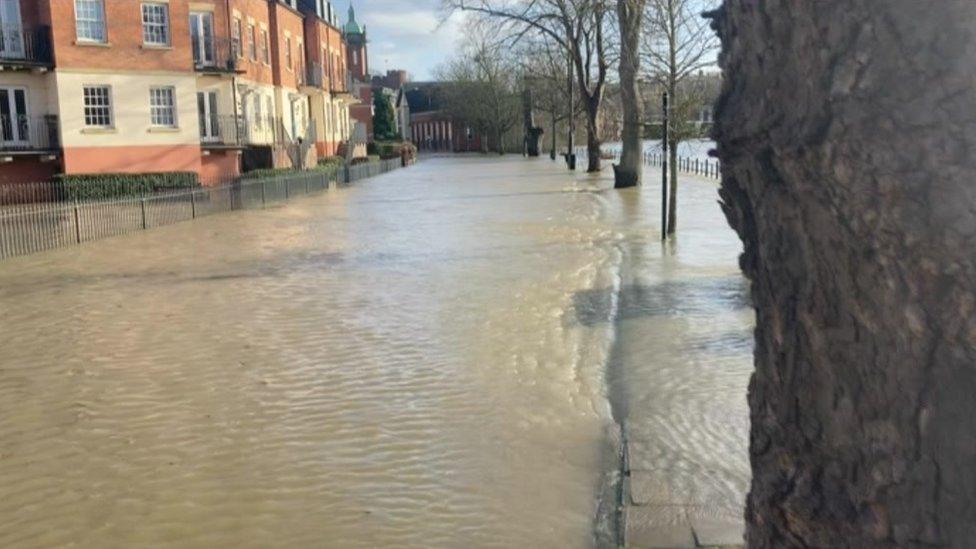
11,30
209,123
14,122
202,38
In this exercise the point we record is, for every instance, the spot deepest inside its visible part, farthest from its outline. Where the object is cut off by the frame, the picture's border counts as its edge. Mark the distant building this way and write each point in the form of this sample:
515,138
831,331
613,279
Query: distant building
433,129
392,87
357,57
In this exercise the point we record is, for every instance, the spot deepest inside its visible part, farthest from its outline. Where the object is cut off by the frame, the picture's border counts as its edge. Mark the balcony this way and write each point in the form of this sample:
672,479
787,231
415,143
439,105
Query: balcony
315,76
25,47
215,56
223,132
341,85
22,135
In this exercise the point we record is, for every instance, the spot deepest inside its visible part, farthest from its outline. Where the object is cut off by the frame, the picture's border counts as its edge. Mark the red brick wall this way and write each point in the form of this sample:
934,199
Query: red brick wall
124,30
27,170
359,66
260,11
285,19
219,166
133,159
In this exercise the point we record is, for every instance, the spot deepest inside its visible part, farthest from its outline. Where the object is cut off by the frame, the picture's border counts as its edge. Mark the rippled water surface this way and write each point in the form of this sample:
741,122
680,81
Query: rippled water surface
433,358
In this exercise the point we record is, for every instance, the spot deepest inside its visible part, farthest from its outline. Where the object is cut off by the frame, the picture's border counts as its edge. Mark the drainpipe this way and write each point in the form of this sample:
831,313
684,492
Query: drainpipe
233,79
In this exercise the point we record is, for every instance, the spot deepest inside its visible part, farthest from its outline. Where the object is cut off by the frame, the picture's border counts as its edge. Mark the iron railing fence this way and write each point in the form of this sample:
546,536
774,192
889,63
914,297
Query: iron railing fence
316,75
689,165
26,45
27,228
223,130
29,133
341,83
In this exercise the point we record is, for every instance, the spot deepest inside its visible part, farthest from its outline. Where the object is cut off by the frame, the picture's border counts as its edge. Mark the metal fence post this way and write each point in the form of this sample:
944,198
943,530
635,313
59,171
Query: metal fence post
77,225
193,204
142,203
263,202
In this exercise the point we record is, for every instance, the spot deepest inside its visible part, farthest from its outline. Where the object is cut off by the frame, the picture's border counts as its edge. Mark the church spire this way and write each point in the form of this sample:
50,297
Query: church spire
352,26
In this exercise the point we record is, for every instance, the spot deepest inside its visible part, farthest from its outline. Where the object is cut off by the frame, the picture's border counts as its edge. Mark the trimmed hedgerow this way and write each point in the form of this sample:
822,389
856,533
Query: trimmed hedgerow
120,185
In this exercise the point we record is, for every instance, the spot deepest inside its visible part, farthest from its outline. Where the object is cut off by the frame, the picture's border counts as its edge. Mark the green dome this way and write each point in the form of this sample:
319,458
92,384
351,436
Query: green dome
352,27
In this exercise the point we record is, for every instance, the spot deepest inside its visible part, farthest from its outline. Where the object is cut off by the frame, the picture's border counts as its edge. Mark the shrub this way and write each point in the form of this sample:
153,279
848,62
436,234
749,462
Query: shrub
116,185
360,160
268,173
332,161
372,148
396,149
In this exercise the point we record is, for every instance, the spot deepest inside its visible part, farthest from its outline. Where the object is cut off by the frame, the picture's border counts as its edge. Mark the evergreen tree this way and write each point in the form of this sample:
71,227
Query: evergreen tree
384,121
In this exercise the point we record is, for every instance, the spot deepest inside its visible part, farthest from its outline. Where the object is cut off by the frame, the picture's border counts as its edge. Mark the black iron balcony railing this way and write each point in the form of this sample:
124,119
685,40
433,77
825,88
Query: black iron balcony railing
342,84
223,131
25,46
29,134
215,55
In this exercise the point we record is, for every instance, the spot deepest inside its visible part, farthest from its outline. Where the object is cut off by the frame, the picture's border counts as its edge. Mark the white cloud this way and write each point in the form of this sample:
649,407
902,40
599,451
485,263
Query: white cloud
407,35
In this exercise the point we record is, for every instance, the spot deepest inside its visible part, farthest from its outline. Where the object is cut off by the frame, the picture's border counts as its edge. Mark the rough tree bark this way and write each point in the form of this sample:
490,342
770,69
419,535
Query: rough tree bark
629,16
846,132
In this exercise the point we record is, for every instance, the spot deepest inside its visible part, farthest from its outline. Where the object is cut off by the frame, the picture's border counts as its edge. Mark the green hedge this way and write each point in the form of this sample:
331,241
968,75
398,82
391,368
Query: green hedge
332,161
283,172
115,185
394,149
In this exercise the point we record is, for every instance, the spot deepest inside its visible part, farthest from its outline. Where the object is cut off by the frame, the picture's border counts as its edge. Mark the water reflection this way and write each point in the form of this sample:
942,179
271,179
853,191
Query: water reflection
385,365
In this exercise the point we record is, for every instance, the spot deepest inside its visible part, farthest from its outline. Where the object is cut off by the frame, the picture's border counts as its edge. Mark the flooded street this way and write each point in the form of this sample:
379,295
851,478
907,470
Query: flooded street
437,357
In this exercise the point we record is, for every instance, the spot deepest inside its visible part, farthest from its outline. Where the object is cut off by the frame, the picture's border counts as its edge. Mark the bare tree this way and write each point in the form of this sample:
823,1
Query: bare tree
580,28
629,16
677,44
482,89
544,68
846,170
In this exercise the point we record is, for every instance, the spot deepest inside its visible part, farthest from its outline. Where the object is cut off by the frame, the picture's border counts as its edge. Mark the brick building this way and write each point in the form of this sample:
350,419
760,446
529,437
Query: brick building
433,129
110,86
360,81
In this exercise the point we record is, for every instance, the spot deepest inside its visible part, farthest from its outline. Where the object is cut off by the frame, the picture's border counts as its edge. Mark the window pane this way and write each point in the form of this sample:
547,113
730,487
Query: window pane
90,20
98,106
162,107
155,24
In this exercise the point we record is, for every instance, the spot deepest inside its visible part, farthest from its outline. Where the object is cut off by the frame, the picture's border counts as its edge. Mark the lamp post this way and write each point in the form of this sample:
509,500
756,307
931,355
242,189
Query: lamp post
664,169
571,153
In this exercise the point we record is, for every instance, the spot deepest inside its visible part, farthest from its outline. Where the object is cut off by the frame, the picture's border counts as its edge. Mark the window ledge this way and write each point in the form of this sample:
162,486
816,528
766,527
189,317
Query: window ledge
156,47
96,131
93,44
164,129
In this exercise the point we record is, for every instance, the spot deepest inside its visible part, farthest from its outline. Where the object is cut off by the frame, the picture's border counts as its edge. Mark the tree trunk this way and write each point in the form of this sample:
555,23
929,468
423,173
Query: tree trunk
628,172
593,150
845,139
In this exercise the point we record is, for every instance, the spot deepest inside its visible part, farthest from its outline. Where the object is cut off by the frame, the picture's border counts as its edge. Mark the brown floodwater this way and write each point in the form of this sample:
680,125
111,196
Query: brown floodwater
437,357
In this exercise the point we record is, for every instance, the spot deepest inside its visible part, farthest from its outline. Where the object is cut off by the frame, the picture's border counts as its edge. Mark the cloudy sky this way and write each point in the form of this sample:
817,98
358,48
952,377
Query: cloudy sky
405,34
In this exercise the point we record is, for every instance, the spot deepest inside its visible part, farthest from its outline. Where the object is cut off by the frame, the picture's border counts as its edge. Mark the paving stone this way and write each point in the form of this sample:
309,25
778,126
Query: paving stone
656,488
714,533
642,456
657,527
